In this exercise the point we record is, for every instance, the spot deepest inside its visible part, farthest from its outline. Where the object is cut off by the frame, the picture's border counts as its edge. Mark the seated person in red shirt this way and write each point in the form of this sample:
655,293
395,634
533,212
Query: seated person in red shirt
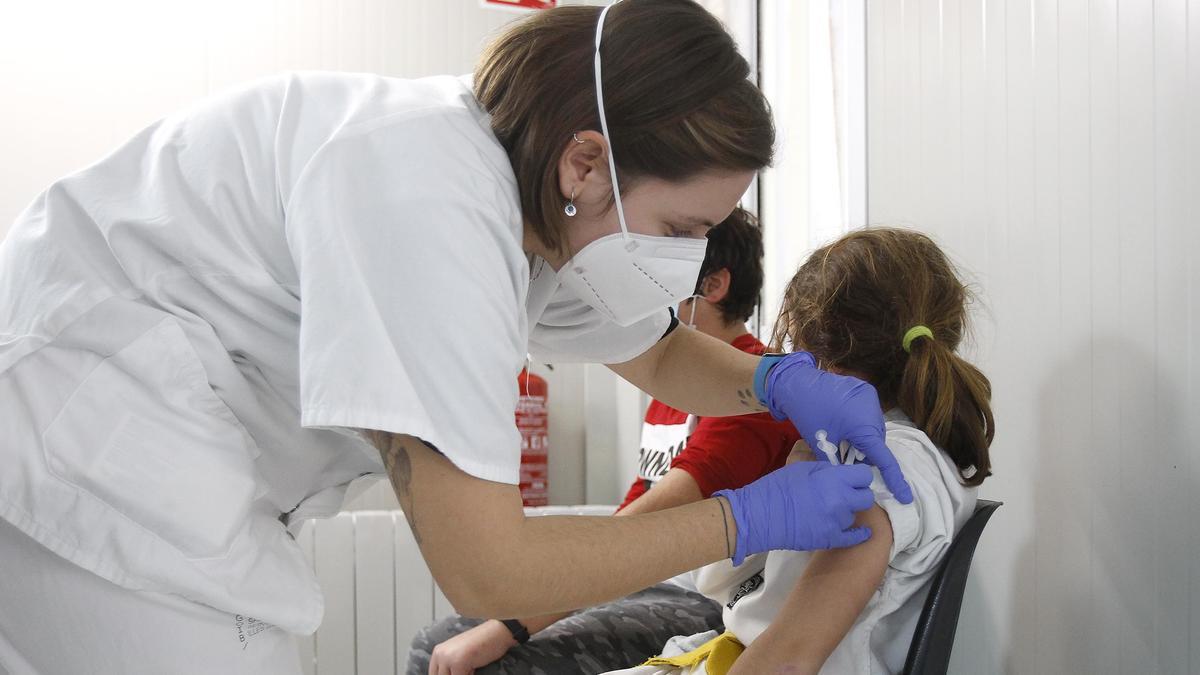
683,459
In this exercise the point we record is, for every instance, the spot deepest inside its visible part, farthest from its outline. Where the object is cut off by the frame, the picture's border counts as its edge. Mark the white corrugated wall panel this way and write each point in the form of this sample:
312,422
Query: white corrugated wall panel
307,643
1052,147
333,543
374,591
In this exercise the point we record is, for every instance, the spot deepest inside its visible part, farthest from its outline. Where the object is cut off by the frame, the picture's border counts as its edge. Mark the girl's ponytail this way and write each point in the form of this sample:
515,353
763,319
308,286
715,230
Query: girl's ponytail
950,400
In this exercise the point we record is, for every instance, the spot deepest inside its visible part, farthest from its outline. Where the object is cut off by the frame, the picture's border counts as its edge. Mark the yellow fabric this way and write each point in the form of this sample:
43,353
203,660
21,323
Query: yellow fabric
717,655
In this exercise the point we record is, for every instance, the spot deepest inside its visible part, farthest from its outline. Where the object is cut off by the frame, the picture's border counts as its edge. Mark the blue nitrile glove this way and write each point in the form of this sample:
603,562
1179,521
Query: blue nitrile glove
802,507
793,388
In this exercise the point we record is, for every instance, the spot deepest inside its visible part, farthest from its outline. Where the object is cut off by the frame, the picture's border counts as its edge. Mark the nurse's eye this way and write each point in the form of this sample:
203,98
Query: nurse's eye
685,232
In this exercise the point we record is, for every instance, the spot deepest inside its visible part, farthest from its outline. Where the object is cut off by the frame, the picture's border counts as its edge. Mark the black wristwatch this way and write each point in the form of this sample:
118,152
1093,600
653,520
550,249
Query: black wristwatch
519,632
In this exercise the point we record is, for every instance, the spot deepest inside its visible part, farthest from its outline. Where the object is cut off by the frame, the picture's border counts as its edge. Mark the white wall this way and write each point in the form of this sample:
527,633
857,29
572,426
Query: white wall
1053,147
78,78
813,75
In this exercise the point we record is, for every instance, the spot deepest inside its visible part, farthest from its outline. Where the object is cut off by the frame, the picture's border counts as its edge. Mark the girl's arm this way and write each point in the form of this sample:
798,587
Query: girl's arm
676,488
833,590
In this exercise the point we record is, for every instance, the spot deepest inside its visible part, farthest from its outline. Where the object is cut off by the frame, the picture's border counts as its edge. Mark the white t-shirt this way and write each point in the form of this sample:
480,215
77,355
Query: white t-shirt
189,327
878,642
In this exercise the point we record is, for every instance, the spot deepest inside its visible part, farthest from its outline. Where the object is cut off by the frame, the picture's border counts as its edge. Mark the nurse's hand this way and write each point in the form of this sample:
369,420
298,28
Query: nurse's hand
802,507
476,648
846,408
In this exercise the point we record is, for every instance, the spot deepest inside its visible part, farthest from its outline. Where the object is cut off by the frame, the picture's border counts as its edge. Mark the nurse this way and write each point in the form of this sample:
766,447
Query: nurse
205,336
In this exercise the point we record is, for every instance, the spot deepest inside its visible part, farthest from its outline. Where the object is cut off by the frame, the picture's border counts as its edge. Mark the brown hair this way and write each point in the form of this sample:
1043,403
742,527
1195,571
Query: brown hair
736,244
852,302
676,94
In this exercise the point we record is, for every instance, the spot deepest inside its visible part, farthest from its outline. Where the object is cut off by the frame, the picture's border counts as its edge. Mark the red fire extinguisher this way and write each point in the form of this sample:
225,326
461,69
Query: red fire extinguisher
534,424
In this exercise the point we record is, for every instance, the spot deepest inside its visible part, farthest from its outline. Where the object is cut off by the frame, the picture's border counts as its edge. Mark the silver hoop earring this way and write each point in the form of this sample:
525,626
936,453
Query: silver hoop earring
570,209
576,137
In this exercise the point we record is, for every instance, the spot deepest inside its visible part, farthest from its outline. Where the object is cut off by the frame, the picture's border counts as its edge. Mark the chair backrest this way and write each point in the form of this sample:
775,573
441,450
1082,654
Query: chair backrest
934,637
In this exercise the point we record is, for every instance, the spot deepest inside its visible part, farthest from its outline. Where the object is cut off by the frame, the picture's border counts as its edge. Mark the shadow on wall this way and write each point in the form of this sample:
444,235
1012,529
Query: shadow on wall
1107,498
974,642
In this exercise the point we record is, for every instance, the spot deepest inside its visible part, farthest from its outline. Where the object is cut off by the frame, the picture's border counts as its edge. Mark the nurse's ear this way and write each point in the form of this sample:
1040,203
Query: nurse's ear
583,171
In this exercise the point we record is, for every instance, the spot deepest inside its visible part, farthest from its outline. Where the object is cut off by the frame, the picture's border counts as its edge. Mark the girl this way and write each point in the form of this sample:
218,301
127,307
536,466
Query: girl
887,306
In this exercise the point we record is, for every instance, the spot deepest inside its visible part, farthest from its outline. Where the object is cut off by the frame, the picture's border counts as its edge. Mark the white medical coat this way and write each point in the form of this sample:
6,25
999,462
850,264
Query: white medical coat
188,324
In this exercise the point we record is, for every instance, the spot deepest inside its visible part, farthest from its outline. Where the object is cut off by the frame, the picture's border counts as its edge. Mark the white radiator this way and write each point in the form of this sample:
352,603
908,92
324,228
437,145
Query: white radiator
378,591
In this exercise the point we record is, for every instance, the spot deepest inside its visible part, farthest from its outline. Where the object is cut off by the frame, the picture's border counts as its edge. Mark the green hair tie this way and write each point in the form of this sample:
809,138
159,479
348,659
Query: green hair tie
914,333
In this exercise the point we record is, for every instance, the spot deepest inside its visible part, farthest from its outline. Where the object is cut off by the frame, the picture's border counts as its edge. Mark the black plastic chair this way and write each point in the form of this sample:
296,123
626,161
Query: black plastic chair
934,638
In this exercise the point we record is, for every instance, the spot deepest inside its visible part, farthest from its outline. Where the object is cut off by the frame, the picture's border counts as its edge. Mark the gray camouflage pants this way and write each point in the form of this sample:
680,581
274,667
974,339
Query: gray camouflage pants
619,634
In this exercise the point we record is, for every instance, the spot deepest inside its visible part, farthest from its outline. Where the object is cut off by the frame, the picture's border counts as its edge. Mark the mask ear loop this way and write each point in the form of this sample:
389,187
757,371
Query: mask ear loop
612,161
691,322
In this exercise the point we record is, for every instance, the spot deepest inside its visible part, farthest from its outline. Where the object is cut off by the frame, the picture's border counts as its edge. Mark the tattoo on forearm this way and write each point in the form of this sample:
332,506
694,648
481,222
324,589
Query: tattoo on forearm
748,399
399,469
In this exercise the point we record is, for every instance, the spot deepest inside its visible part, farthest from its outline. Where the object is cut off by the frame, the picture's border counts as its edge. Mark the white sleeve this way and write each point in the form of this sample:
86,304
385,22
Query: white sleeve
922,530
720,580
411,292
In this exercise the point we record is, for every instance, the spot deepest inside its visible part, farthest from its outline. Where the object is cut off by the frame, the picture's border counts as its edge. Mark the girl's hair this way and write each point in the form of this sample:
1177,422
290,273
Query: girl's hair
676,94
851,304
